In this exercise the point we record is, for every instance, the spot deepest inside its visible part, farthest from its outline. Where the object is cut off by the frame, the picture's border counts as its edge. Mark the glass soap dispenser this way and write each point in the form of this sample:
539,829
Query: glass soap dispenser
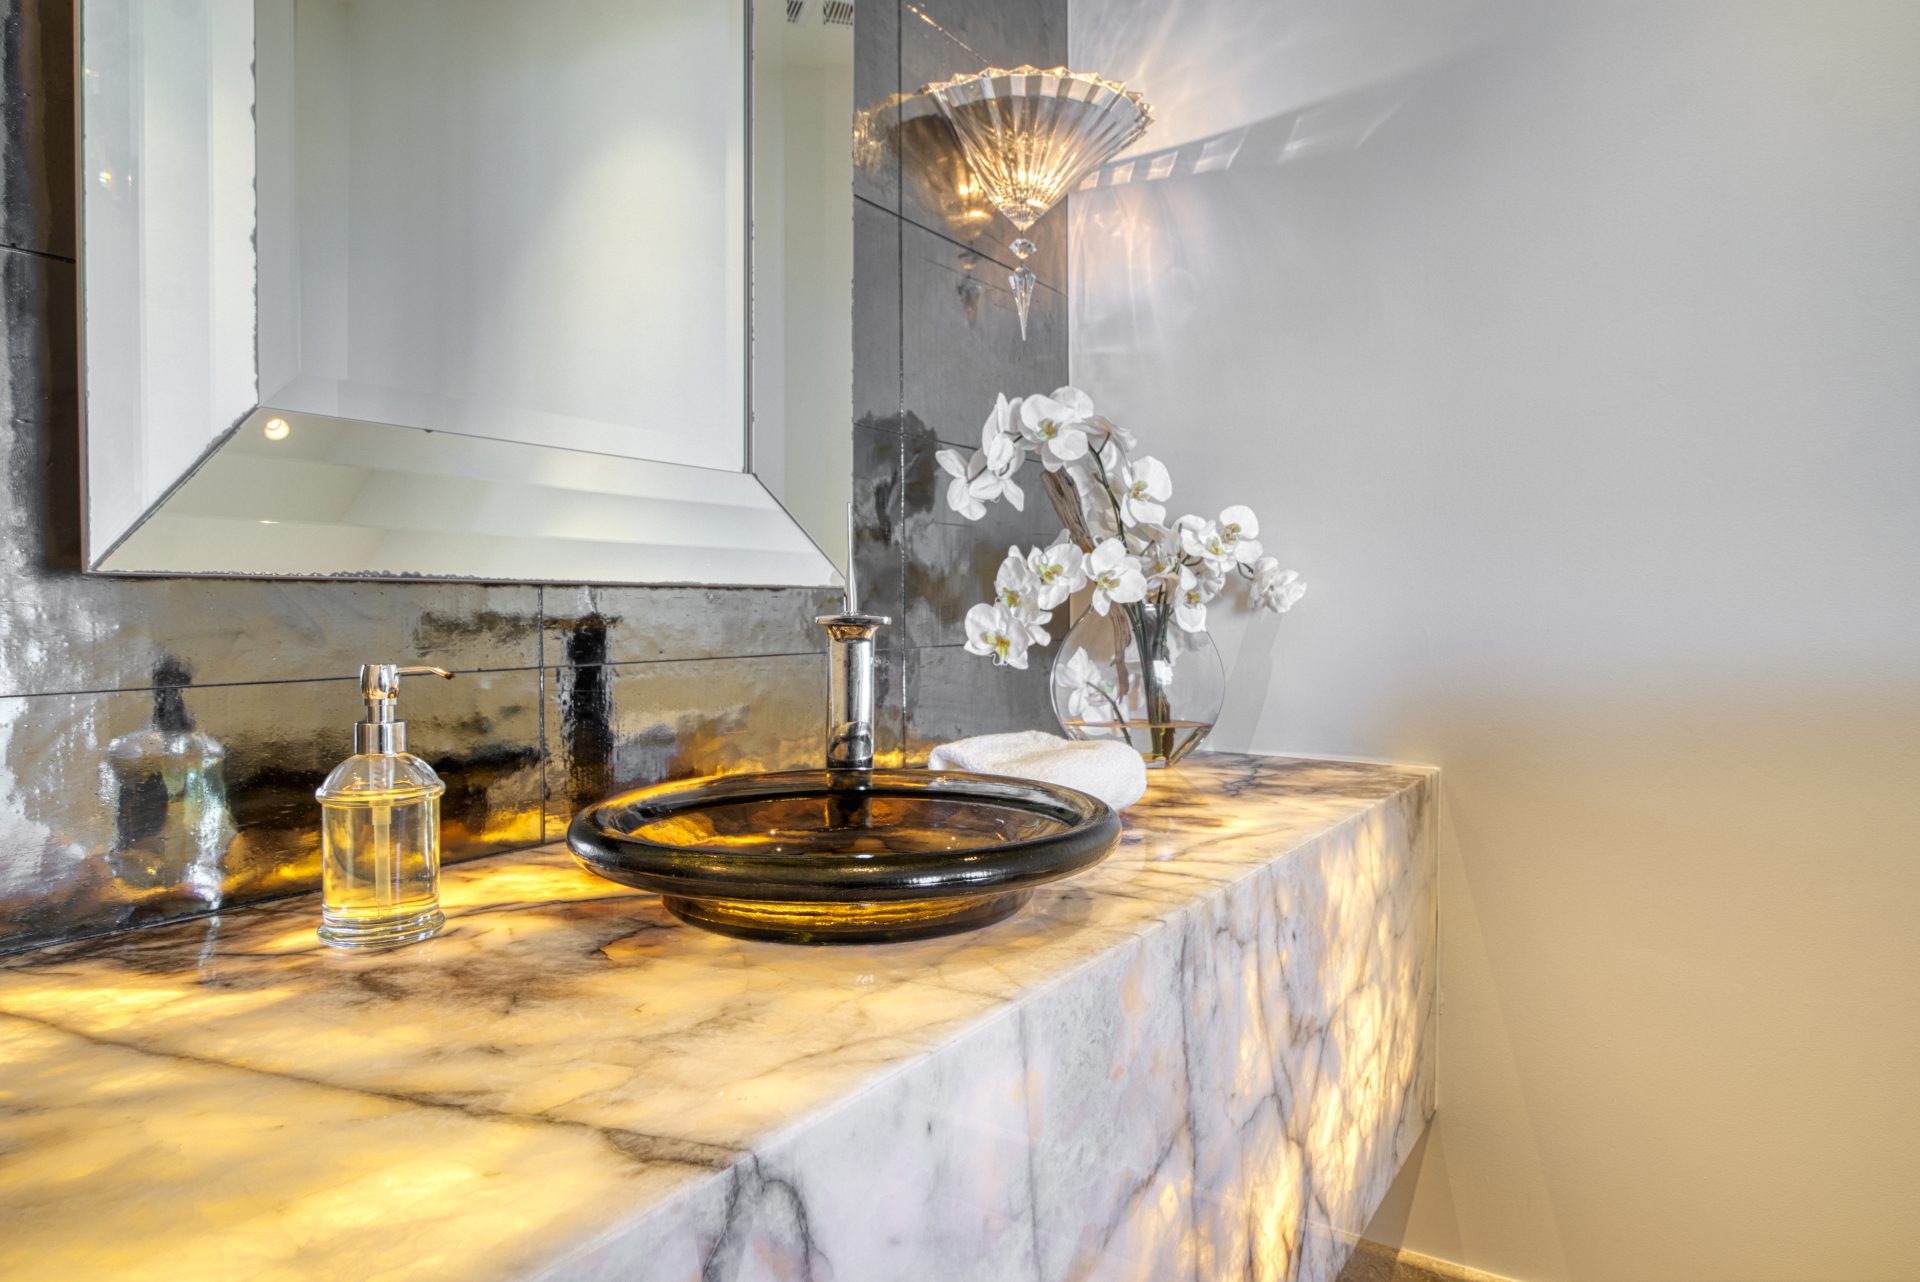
380,829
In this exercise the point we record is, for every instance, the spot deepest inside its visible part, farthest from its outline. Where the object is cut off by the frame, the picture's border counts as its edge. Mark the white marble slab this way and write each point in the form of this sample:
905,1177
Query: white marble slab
1204,1059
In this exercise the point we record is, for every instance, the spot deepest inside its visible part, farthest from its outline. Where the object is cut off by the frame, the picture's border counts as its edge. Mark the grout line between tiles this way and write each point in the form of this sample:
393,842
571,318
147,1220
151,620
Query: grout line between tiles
286,681
540,722
38,253
225,685
900,378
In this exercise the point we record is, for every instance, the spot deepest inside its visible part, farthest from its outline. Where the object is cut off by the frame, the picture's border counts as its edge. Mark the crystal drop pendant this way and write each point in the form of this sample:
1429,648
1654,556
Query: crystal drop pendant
1022,282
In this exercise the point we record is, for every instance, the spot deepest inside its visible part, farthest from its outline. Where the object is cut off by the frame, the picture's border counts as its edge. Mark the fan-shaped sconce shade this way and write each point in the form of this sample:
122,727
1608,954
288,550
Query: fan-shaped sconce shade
1029,135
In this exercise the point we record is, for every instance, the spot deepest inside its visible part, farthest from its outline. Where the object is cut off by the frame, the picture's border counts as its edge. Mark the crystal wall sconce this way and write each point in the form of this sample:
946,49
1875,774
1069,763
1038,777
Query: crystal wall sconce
1029,135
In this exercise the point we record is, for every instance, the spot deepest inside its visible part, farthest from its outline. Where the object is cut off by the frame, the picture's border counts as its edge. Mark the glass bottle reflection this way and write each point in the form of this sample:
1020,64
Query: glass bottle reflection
172,823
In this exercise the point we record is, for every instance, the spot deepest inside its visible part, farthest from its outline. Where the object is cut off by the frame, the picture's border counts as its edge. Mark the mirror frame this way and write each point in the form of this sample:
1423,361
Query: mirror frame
799,559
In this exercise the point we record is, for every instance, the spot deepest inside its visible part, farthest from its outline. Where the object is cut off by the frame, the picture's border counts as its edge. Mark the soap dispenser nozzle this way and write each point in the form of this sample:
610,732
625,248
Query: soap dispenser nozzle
382,732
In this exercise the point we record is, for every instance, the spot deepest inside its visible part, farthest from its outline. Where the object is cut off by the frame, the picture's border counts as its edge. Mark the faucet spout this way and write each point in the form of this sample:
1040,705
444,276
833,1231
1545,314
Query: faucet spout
850,688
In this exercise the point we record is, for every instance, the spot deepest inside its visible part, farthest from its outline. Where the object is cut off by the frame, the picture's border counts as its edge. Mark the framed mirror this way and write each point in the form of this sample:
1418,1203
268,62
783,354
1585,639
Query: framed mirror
467,289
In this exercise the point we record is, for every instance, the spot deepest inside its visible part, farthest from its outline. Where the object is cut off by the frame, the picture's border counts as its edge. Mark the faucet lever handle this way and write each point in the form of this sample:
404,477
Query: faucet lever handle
423,672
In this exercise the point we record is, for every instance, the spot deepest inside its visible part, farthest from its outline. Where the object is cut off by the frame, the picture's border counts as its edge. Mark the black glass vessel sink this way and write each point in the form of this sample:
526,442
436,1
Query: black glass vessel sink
844,856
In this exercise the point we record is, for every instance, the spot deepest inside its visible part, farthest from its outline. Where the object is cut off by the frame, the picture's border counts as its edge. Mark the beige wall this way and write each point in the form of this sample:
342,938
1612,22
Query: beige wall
1573,355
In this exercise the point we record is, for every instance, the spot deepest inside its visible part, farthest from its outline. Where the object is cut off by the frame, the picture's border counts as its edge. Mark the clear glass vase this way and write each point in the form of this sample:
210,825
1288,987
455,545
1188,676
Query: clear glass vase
1164,706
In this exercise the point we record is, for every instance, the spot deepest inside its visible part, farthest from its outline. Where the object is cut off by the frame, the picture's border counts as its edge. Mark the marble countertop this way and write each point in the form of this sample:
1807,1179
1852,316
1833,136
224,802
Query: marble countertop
227,1098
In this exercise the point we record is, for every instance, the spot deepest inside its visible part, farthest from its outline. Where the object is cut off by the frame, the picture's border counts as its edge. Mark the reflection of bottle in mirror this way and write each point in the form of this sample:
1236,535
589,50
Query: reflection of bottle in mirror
586,713
171,825
380,829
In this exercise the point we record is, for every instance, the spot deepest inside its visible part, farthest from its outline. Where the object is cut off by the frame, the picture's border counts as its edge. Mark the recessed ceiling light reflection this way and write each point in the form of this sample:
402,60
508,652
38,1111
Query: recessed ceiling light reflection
276,429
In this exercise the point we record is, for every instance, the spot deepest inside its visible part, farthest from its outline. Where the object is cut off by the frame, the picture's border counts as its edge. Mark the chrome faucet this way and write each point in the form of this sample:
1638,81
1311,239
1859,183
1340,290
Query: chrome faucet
850,688
850,676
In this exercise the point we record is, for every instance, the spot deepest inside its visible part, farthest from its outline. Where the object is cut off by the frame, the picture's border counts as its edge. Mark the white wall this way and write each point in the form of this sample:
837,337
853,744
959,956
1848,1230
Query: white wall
1578,369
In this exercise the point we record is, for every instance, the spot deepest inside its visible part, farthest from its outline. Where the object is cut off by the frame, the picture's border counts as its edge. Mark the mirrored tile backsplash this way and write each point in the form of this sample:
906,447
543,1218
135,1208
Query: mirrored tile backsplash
936,338
160,739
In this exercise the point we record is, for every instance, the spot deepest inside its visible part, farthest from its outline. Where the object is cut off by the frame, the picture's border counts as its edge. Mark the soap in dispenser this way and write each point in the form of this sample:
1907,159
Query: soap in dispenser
380,829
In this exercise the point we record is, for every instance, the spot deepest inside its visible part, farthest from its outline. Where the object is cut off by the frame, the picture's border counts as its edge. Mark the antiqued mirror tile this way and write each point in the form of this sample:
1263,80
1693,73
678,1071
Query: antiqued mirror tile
951,571
951,561
876,318
37,198
611,727
960,341
67,631
879,545
891,666
952,694
876,85
39,354
39,43
1004,33
628,625
126,808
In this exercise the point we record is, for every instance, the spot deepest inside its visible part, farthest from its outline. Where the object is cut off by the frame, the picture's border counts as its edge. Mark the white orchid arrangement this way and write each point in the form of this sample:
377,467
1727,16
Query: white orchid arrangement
1117,543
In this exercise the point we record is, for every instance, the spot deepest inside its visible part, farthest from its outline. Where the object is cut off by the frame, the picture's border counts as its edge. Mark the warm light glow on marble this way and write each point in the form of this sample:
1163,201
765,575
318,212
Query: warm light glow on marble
1214,1048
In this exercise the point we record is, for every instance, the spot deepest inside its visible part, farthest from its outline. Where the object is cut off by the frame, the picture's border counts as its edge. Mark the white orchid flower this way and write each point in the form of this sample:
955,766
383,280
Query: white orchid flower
1238,525
991,485
1212,581
1017,588
960,495
1056,429
1077,404
1115,577
993,630
1144,489
1162,556
1190,602
1079,669
1200,538
1090,691
1276,589
1000,436
1060,571
988,475
1114,434
1116,503
1015,585
1224,545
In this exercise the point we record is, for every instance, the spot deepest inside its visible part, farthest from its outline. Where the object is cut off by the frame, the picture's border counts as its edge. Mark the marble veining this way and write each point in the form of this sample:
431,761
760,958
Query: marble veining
1205,1058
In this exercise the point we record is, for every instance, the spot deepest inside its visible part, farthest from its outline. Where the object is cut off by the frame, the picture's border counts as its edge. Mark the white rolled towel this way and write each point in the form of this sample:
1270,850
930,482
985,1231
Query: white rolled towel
1107,768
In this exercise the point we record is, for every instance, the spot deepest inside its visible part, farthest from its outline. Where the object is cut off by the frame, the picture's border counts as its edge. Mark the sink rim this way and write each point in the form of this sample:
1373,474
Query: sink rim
731,873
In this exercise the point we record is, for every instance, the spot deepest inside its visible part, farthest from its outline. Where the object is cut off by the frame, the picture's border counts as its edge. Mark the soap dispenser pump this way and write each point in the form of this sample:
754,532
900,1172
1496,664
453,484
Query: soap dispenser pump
380,829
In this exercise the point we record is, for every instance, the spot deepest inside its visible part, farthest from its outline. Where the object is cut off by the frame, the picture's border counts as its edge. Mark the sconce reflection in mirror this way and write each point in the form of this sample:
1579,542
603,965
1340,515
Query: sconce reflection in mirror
1029,135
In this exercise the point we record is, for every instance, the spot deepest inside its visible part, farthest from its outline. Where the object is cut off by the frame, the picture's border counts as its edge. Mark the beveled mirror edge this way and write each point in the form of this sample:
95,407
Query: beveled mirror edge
153,547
